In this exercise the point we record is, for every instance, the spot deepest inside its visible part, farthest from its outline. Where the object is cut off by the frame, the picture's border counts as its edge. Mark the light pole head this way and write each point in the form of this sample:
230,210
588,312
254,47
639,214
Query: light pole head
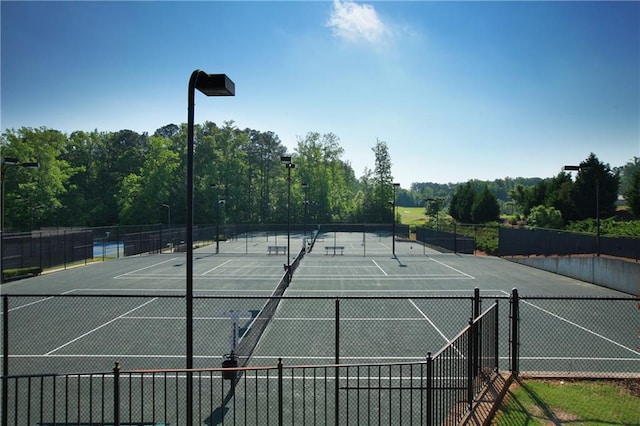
286,159
572,168
9,161
215,84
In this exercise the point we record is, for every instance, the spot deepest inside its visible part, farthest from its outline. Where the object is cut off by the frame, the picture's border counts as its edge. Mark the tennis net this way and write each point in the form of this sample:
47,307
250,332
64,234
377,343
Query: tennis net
251,337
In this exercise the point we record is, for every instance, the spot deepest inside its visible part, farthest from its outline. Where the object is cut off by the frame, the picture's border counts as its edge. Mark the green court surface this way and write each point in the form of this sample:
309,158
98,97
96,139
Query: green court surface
351,299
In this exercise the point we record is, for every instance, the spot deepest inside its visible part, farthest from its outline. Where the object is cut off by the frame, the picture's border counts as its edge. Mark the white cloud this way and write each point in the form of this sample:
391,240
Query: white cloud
357,22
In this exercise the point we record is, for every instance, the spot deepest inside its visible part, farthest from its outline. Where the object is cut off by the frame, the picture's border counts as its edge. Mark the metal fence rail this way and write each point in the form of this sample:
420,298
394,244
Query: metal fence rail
439,390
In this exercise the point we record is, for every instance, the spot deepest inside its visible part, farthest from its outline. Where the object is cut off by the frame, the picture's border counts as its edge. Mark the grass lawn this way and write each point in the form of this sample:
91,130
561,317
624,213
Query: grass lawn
412,215
558,402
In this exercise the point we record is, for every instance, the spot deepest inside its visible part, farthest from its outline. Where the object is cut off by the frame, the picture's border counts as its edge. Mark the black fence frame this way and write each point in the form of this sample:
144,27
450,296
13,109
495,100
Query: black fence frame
439,390
548,242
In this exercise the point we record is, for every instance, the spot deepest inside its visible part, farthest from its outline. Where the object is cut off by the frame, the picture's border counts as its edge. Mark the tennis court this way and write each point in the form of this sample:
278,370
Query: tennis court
351,301
391,308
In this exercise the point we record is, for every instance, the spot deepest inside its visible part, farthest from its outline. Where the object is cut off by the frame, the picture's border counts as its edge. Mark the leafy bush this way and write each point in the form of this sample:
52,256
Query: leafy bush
17,273
546,217
608,227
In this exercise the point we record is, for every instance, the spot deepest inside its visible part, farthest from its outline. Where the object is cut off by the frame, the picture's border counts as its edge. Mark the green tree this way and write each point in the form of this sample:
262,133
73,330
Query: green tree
559,194
32,196
633,193
141,194
595,180
546,217
485,207
627,173
377,207
462,202
527,197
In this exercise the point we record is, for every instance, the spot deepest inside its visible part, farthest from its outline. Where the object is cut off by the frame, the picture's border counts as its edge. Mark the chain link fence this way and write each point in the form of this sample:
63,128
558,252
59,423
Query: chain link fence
370,342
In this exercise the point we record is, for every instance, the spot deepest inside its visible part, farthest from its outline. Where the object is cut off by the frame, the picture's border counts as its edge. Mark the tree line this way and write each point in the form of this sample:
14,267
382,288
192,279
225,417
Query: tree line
127,178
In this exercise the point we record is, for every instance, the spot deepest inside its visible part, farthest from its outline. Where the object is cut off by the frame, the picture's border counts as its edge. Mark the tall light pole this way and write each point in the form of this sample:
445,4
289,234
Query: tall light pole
168,207
393,221
597,176
434,200
305,187
289,165
5,164
209,85
219,202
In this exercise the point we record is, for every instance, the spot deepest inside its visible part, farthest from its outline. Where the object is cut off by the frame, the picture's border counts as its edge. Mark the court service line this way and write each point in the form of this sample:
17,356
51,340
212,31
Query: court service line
376,263
386,278
400,290
38,301
100,326
580,327
213,269
453,269
173,259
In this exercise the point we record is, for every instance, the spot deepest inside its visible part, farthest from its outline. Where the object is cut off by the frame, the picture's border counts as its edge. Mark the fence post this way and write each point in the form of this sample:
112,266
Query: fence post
455,238
337,332
476,303
116,394
515,337
5,360
280,396
496,346
471,362
64,248
429,389
337,361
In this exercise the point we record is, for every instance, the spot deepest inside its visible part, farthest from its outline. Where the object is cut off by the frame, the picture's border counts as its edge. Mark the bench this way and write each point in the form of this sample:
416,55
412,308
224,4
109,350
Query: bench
327,249
277,249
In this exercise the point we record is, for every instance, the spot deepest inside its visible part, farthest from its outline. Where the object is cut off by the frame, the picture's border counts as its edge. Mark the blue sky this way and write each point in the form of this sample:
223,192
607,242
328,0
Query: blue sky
457,90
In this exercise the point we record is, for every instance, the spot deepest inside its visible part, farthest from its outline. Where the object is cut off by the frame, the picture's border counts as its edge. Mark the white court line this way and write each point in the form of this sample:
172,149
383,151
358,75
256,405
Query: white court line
573,358
173,259
346,319
452,268
229,291
429,320
466,292
580,327
385,278
38,301
376,263
213,269
99,327
198,277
